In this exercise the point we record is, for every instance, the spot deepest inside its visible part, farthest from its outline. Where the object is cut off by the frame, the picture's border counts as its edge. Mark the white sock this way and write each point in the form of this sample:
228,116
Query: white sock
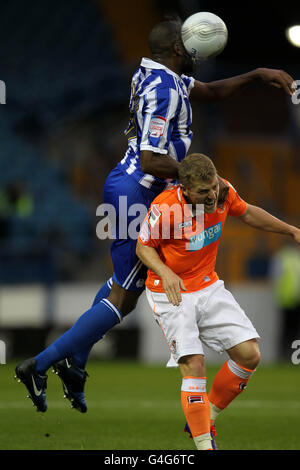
214,411
203,442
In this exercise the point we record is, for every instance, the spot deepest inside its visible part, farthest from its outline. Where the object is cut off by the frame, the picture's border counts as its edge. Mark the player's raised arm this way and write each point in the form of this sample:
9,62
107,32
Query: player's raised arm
204,35
261,219
222,89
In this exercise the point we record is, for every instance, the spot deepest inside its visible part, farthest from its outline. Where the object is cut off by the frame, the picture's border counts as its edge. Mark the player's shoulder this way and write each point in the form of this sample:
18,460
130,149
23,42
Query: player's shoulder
227,192
230,185
167,81
231,190
161,83
188,81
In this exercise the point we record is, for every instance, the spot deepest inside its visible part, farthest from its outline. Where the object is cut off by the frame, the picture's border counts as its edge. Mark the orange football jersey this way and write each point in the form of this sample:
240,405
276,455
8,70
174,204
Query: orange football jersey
187,243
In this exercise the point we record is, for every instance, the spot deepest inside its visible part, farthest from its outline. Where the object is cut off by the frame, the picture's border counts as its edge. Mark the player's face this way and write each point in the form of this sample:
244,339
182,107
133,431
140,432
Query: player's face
205,193
187,62
187,66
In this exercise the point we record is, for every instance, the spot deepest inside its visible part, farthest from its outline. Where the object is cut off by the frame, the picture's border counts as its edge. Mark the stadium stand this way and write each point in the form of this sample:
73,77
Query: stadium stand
58,65
62,64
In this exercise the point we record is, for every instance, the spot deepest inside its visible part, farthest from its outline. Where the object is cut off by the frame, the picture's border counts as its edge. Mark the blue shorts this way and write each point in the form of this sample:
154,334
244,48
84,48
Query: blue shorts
129,272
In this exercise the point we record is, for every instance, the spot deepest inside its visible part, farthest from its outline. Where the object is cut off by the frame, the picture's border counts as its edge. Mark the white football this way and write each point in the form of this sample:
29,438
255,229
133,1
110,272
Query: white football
204,35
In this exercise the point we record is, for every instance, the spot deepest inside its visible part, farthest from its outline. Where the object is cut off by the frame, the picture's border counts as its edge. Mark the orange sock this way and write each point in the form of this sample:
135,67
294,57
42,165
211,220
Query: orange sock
229,382
195,405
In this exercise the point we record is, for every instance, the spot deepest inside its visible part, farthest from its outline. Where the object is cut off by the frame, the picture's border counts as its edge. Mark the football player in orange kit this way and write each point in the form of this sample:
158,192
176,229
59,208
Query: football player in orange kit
188,300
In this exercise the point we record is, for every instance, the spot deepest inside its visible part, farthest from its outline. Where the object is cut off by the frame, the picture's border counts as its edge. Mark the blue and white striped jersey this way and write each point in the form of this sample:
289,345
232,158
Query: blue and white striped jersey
160,118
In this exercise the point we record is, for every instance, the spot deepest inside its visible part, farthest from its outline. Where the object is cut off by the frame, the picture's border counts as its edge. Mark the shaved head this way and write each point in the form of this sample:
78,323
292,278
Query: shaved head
163,36
166,45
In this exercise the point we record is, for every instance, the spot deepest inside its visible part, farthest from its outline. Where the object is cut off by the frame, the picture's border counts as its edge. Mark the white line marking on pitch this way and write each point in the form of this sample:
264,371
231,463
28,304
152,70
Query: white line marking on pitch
152,404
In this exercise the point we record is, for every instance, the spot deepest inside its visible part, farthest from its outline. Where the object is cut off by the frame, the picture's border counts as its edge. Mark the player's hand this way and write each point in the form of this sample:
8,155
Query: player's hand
172,285
296,235
277,78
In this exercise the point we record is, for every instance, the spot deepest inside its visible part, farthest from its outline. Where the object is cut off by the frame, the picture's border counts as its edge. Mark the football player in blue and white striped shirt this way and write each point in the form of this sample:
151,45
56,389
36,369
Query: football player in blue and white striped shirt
159,137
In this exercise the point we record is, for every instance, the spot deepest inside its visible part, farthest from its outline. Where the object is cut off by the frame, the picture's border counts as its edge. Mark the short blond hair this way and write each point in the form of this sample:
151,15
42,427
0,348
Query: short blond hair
196,167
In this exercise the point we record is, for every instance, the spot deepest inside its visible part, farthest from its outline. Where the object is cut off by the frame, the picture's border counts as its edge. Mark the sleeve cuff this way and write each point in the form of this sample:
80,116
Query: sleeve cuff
153,149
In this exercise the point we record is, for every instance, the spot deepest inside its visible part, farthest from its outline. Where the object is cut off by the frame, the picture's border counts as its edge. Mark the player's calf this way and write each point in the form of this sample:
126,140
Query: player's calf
196,408
194,399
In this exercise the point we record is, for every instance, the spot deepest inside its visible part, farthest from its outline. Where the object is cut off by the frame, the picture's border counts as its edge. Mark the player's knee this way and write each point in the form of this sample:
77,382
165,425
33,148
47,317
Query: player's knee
246,354
192,365
255,359
124,306
251,357
124,301
128,307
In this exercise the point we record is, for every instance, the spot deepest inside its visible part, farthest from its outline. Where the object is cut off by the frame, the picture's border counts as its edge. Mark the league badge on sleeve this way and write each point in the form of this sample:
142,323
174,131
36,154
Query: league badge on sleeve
157,126
145,232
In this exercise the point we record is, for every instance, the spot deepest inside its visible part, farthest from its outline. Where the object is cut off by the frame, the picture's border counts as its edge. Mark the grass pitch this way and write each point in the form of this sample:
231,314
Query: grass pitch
134,407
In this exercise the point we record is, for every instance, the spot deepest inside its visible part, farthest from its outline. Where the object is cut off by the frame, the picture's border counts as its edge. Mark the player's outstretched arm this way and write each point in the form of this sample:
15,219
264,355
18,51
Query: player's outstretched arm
222,89
261,219
171,282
